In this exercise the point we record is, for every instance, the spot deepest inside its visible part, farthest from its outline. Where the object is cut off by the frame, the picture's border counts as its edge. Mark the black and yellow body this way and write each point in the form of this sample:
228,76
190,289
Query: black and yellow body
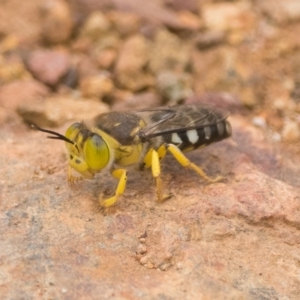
119,139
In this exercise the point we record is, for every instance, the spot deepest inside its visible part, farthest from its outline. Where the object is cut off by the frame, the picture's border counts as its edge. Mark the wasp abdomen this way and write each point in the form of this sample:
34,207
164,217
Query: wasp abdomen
193,138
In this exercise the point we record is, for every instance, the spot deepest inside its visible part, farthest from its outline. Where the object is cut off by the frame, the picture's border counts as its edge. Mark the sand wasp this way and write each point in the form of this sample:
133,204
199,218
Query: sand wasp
119,139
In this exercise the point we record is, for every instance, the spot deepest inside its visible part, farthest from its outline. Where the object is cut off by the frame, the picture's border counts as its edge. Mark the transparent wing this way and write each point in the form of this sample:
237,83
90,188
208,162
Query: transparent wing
165,120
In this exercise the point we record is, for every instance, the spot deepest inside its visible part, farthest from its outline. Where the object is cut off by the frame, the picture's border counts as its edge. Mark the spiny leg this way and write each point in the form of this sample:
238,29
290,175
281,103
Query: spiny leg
120,174
185,162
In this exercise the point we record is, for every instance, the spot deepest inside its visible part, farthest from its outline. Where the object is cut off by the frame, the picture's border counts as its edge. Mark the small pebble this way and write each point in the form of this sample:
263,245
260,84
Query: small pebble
259,122
291,131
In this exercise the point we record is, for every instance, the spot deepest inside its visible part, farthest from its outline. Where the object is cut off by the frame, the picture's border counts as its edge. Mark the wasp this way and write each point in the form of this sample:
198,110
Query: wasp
115,140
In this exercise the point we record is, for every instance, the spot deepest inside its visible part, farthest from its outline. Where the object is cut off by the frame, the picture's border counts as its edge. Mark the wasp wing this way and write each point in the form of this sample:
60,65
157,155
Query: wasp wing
165,120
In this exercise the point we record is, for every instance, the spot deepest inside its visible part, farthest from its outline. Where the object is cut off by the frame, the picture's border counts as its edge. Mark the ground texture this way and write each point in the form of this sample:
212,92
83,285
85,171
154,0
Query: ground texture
66,61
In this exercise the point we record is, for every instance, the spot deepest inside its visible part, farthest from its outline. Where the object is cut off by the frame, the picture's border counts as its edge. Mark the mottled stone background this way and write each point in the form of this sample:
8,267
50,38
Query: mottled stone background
65,61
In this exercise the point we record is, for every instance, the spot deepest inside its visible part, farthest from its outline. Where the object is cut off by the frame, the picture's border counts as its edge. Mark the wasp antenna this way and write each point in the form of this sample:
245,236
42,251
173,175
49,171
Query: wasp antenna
56,135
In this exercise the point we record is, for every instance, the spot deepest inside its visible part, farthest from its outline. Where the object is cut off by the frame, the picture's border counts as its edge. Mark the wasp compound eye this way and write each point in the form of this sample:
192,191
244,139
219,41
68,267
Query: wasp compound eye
96,152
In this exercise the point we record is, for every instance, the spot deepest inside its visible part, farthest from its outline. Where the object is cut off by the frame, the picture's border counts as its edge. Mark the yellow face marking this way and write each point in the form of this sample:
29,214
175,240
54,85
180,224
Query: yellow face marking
79,165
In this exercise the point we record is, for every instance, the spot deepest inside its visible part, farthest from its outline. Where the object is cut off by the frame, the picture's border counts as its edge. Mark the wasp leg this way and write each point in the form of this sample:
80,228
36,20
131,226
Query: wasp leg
156,173
162,151
155,166
71,178
147,162
120,174
185,162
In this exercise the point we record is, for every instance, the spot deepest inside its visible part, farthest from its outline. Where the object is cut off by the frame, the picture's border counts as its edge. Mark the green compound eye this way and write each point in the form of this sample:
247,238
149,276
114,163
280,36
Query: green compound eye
96,152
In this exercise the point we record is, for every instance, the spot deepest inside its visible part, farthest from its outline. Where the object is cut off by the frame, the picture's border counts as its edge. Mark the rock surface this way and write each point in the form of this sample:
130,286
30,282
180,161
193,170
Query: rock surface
229,238
48,66
56,111
235,239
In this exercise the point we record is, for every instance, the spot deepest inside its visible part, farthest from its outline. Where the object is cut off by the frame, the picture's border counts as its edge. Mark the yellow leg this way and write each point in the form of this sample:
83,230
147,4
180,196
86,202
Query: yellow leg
155,164
148,159
162,151
120,174
147,163
156,173
185,162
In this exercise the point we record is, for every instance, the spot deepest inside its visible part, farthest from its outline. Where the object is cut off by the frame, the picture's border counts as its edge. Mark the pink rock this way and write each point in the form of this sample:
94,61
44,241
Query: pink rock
190,5
58,24
138,101
14,94
48,66
224,101
153,12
